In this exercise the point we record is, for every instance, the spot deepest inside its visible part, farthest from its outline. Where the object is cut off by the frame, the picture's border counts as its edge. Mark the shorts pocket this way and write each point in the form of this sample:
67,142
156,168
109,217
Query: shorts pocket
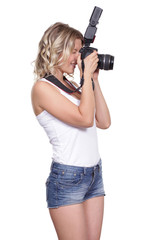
69,179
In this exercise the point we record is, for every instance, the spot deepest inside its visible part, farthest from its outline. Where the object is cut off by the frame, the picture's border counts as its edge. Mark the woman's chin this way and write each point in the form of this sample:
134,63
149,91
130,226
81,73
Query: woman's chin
70,72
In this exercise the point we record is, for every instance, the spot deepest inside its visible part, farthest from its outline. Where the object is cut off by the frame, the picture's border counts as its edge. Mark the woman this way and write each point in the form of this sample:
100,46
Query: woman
74,188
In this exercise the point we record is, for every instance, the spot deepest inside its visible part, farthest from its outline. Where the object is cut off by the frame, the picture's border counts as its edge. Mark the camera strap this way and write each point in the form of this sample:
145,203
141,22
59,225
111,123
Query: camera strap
56,82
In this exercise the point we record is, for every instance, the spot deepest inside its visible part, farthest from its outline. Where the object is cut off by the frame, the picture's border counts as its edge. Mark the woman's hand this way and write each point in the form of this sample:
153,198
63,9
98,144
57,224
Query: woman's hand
91,63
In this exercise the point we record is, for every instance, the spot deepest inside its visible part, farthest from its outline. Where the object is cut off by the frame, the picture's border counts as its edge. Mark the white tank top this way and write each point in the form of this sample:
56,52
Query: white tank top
76,146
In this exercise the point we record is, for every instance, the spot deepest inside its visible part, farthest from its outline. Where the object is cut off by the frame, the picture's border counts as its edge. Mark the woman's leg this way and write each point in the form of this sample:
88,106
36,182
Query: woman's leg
94,209
69,222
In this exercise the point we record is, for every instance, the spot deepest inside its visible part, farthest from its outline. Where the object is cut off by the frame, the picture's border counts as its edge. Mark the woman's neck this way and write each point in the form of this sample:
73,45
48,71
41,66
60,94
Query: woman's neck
59,75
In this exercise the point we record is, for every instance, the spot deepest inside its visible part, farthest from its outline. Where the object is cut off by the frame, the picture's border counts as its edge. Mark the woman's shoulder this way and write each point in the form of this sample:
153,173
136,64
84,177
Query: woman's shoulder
42,91
42,86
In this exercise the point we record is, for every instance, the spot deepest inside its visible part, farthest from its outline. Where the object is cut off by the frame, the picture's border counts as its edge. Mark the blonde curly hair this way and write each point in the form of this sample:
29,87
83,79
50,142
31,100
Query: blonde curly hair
56,45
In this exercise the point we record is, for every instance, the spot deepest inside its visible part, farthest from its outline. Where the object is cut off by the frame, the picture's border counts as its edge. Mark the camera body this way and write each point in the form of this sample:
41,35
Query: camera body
106,61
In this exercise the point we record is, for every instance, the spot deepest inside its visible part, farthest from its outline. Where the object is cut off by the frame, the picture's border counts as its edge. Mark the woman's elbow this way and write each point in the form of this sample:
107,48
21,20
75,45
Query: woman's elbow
104,125
89,122
107,125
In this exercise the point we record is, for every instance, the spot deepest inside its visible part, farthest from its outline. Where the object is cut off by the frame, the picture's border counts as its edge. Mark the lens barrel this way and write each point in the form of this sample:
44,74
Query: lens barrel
106,61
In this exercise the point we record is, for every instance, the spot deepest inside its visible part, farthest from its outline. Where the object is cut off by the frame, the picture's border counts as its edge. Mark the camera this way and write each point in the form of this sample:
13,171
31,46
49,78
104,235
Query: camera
106,61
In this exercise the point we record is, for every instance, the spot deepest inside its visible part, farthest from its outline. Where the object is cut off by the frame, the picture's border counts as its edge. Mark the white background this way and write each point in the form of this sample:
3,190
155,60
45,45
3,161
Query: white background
127,29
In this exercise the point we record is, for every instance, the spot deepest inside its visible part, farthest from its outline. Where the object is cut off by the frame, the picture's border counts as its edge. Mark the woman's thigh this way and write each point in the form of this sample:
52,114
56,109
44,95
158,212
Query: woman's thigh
69,222
94,209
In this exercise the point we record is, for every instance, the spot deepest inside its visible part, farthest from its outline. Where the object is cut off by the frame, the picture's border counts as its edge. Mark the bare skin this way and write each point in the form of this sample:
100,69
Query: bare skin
80,221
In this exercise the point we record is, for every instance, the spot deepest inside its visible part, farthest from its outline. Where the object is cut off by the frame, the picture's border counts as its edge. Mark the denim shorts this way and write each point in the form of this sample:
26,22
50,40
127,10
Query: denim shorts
68,185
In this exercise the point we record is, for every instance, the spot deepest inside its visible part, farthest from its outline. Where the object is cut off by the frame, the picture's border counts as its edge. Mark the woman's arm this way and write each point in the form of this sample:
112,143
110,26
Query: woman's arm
48,98
103,119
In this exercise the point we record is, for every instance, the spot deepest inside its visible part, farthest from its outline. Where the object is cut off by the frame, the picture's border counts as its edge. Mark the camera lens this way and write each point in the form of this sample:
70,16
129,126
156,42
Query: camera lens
106,61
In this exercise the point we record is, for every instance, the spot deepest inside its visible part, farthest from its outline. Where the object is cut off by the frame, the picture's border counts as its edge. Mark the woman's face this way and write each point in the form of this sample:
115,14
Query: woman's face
69,66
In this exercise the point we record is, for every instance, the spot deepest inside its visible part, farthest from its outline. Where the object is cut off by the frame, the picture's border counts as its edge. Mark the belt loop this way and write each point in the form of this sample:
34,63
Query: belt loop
84,171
